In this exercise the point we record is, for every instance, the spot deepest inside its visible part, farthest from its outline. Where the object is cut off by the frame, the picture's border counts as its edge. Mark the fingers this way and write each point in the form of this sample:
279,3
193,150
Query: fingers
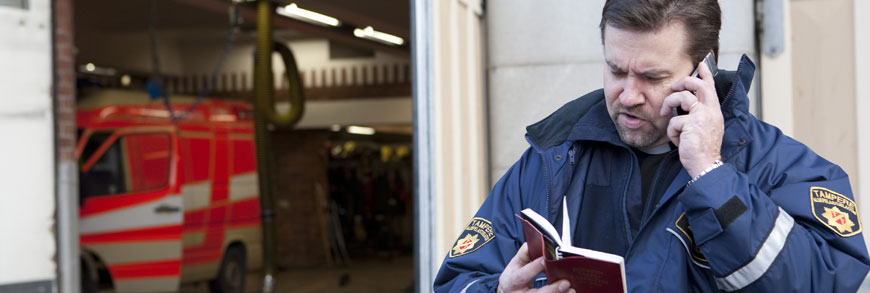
528,272
695,85
675,127
704,72
558,287
682,99
703,85
520,272
521,258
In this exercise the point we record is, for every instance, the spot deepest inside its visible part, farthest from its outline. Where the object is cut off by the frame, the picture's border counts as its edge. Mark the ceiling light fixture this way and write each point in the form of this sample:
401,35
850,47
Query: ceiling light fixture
126,80
371,34
360,130
90,68
293,11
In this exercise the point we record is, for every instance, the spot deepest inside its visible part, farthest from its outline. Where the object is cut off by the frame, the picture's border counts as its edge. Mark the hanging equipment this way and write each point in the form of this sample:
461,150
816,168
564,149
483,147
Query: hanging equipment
264,113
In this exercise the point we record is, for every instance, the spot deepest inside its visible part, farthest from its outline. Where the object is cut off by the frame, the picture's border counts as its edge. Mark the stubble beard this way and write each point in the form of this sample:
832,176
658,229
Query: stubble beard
644,137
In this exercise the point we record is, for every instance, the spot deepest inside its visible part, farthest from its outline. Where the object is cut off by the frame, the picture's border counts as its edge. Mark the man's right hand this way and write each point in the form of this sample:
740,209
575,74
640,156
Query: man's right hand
519,275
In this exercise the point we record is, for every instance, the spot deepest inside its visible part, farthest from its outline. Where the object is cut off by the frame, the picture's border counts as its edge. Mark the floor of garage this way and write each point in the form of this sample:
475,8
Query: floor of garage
372,275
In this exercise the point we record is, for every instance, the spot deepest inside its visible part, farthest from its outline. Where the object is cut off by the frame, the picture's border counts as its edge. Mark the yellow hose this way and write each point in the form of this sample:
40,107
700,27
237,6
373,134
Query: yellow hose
264,112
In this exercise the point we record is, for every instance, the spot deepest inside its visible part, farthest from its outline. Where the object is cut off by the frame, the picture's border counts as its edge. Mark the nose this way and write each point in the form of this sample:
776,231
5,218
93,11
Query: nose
631,95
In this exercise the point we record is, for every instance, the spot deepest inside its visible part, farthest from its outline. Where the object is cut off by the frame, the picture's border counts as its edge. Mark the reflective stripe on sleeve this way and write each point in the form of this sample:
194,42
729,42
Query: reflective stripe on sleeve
469,285
763,260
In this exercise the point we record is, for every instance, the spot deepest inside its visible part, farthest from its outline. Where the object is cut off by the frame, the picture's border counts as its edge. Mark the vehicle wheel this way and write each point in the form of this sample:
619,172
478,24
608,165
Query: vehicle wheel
231,275
89,285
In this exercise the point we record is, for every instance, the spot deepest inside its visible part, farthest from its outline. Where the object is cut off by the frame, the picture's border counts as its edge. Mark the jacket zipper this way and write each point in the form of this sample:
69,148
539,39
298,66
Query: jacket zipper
626,184
571,159
570,181
570,175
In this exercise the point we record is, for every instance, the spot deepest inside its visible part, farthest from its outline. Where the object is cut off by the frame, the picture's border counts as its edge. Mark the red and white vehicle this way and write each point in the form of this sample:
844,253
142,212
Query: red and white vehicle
166,202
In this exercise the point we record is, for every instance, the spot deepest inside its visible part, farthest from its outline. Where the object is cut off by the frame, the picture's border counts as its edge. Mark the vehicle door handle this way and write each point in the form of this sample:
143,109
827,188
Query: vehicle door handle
166,209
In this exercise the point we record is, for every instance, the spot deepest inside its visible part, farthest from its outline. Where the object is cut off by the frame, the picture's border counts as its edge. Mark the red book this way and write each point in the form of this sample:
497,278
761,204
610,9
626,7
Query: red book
588,270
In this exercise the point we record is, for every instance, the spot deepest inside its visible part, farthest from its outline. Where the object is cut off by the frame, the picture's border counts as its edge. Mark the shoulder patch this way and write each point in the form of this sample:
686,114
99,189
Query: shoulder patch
477,234
836,211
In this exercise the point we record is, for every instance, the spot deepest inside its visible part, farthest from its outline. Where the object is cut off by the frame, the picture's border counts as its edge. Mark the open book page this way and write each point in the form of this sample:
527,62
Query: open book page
608,257
550,234
542,225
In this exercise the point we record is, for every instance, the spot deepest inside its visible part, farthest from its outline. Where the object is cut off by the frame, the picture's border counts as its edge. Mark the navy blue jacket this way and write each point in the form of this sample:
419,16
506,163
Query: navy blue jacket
776,217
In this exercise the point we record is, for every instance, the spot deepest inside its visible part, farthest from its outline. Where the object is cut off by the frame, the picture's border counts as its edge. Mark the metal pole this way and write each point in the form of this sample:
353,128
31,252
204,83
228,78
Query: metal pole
421,48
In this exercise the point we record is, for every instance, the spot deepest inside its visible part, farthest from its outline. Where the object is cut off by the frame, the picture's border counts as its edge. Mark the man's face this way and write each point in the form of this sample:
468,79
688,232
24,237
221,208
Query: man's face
639,71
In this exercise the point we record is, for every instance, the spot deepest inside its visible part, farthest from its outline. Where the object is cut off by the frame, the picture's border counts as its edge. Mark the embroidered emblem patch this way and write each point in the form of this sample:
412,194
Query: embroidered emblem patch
836,211
478,233
683,224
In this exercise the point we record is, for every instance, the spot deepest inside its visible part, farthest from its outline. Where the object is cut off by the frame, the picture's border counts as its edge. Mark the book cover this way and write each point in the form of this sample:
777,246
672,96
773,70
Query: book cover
587,270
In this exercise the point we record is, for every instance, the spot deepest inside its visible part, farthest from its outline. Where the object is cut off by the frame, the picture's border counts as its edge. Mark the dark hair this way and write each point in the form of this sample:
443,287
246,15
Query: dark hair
702,19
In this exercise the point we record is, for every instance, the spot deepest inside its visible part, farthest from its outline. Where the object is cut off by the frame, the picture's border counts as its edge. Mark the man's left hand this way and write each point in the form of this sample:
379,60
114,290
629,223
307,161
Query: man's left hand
699,133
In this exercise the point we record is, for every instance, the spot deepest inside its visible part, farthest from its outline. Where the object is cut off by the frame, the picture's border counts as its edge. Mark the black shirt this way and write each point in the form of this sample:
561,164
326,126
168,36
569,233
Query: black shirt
656,173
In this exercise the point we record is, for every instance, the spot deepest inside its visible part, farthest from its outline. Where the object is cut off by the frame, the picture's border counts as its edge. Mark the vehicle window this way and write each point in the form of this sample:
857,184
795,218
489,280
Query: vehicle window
94,142
106,177
148,161
133,163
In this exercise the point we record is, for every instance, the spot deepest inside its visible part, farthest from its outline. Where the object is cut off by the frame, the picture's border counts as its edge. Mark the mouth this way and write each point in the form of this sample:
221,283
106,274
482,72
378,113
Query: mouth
631,121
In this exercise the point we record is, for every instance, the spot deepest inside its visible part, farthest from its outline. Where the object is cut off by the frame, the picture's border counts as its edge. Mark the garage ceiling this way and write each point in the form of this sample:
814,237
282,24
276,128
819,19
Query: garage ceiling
112,16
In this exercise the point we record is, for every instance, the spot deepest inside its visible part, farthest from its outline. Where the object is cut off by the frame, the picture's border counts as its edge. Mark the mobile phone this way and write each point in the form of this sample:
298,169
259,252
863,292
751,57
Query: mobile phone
710,61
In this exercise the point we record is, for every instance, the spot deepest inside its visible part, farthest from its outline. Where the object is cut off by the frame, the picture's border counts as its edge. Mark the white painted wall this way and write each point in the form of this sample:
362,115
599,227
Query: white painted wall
27,203
544,54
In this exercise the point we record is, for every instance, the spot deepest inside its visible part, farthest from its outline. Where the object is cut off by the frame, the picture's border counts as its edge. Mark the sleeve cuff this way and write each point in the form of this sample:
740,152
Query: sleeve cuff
711,190
711,203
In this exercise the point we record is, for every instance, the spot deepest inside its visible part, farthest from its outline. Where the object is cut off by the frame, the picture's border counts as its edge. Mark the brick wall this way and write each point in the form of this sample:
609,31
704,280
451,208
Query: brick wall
301,191
65,102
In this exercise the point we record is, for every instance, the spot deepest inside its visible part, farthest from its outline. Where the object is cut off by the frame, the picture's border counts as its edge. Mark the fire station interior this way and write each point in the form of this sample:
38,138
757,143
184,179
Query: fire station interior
341,176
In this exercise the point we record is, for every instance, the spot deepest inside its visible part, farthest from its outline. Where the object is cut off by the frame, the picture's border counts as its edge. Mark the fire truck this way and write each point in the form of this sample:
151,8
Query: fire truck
169,194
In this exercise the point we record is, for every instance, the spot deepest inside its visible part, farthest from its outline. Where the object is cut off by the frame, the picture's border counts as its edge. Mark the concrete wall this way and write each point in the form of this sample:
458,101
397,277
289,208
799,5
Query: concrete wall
823,69
544,54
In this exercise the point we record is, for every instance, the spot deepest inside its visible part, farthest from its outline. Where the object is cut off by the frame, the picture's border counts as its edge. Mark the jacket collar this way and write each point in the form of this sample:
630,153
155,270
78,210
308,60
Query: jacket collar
591,122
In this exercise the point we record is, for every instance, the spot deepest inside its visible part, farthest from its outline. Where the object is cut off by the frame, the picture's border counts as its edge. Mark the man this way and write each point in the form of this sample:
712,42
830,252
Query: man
708,201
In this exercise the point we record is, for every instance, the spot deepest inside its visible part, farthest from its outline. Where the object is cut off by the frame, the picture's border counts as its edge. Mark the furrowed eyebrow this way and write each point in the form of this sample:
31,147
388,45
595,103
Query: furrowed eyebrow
656,73
653,73
613,66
